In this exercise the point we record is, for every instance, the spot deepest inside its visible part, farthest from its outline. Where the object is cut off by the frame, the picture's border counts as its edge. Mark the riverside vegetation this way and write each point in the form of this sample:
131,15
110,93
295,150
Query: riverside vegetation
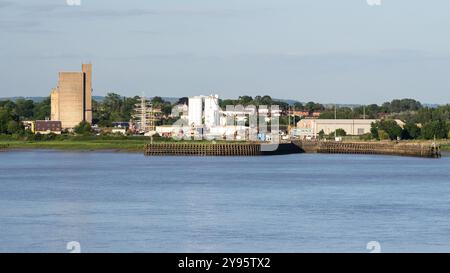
85,142
421,122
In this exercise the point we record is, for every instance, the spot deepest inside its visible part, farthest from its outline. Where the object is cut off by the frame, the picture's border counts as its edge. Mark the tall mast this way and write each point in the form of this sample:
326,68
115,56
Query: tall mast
146,114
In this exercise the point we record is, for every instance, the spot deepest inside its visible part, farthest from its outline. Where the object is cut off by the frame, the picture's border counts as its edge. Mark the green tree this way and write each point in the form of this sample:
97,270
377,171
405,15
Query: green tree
390,127
223,103
4,119
157,101
298,106
84,128
42,110
339,132
8,105
393,129
312,106
382,135
397,106
128,108
341,113
24,108
14,127
245,100
114,108
436,128
321,134
374,130
183,100
410,131
265,100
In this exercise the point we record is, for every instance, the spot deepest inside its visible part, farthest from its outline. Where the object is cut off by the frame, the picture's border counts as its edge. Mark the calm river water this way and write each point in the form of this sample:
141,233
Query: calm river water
118,202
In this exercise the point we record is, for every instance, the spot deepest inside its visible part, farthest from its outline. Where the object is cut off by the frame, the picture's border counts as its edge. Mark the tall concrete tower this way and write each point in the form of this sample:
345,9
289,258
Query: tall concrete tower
87,92
71,100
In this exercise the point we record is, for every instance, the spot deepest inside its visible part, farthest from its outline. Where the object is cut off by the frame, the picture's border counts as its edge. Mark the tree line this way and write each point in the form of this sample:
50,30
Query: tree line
421,122
12,113
390,129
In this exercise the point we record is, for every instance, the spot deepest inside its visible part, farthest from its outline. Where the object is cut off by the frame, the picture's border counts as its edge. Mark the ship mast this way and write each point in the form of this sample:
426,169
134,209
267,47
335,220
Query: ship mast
146,114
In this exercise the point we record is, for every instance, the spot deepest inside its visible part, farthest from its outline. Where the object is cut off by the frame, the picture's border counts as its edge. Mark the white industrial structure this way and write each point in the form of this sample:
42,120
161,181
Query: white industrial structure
310,128
212,111
204,108
195,112
206,118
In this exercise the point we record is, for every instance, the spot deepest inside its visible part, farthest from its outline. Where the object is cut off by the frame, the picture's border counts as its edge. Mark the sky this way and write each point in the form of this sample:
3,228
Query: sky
329,51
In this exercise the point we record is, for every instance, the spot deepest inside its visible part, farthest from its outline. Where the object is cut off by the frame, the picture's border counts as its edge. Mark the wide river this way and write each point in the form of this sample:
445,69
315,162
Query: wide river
119,202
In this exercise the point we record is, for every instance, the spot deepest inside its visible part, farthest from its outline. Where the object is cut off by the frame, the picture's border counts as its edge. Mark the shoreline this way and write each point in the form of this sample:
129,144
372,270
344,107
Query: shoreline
117,146
73,146
106,150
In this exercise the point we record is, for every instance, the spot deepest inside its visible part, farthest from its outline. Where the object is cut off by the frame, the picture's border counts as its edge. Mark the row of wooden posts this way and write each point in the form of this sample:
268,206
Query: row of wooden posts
203,149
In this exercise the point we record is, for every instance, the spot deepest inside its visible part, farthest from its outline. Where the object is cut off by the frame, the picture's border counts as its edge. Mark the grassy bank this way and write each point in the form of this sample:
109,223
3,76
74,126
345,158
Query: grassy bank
80,143
111,143
92,145
87,143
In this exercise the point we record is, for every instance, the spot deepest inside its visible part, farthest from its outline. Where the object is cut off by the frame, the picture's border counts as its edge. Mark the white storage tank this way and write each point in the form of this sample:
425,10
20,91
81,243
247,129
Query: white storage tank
212,117
195,112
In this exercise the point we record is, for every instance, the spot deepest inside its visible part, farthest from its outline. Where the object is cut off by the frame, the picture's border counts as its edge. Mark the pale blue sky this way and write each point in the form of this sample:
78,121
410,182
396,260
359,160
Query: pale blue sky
342,51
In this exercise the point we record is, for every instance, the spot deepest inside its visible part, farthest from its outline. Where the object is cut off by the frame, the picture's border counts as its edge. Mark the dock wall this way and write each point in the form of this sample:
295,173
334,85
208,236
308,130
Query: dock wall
384,148
257,149
223,149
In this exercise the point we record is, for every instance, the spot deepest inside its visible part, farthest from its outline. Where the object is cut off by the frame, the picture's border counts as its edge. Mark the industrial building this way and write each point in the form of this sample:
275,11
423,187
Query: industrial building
71,100
195,113
310,128
170,130
204,110
206,118
120,127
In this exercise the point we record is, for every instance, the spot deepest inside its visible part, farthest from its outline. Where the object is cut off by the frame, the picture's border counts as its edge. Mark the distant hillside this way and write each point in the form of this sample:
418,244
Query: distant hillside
288,101
35,99
174,100
169,99
96,98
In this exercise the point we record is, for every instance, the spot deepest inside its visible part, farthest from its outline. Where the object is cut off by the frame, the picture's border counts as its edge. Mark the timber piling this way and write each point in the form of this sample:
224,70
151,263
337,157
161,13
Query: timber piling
430,150
219,149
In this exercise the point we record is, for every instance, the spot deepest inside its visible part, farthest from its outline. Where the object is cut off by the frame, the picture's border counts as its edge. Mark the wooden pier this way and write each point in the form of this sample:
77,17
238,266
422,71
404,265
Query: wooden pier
202,149
219,149
429,150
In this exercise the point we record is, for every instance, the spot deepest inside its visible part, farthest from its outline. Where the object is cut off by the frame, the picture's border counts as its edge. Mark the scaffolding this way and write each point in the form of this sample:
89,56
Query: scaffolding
146,116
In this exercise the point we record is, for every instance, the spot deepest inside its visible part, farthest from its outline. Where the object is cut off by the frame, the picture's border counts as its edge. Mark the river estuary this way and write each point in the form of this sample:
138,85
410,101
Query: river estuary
124,202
